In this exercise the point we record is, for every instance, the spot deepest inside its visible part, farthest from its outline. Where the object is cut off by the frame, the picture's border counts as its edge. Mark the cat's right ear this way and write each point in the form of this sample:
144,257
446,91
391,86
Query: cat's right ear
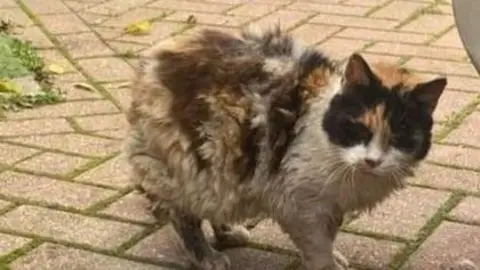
357,72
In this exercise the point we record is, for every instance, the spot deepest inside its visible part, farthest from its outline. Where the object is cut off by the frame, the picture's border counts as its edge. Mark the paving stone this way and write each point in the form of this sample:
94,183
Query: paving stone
445,9
403,214
10,154
191,6
16,15
8,4
366,3
451,102
107,69
208,18
442,177
46,6
80,6
118,134
115,7
341,47
286,19
63,24
353,21
468,132
73,93
102,122
53,163
100,233
417,50
381,35
119,93
450,39
38,126
399,10
126,48
373,58
462,83
467,210
253,9
84,45
108,32
4,205
310,34
133,206
35,36
55,57
449,243
114,172
445,67
162,245
44,189
74,143
455,155
9,243
132,16
159,31
50,256
77,108
365,251
429,23
270,233
329,8
252,259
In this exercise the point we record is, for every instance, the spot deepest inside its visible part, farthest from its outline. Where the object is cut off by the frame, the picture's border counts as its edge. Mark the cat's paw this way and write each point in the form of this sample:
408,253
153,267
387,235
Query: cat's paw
217,261
231,236
340,260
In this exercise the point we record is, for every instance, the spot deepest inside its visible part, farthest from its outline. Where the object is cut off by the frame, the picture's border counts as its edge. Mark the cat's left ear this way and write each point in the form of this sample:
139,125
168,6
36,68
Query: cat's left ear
429,92
357,72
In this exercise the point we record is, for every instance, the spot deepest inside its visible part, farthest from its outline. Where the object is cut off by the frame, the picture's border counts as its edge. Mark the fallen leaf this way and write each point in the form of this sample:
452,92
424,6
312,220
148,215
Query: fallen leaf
139,28
191,19
56,69
9,87
84,86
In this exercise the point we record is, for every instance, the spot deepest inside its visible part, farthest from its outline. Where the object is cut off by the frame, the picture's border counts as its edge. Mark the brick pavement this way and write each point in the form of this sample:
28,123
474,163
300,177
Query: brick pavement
65,202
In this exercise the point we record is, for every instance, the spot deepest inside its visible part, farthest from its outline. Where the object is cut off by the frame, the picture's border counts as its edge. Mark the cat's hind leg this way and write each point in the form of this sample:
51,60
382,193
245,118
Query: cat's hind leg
201,254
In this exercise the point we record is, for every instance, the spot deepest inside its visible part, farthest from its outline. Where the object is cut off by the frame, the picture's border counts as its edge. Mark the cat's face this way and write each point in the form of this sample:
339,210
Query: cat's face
380,124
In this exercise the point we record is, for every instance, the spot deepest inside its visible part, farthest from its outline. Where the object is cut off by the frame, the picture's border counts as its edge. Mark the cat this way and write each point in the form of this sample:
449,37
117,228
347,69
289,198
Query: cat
227,128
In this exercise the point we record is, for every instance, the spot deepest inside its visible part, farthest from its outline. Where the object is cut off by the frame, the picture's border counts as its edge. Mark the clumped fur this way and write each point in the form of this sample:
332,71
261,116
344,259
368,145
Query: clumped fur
227,128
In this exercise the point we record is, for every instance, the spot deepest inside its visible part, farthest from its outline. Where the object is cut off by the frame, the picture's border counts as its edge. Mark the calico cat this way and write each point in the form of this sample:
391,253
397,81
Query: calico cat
226,128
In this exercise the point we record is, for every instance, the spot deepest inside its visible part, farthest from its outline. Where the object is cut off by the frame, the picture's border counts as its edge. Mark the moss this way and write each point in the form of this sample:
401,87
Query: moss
401,258
18,59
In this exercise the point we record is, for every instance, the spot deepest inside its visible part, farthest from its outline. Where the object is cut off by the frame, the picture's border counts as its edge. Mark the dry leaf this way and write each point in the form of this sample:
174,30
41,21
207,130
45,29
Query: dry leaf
191,19
139,28
56,69
84,86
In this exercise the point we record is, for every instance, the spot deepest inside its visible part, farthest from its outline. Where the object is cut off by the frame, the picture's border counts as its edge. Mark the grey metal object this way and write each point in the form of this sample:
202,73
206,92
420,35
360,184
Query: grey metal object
467,14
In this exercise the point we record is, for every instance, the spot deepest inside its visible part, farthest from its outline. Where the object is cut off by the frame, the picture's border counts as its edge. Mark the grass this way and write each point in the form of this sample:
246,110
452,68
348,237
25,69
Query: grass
19,59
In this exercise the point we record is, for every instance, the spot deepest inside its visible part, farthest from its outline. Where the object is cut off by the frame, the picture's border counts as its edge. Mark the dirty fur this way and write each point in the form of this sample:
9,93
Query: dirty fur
226,128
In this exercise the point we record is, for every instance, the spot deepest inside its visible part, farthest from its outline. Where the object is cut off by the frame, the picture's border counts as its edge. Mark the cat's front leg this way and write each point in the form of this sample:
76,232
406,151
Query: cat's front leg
313,233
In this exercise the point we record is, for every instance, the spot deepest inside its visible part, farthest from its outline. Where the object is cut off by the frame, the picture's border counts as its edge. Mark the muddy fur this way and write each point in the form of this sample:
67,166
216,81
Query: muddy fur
226,129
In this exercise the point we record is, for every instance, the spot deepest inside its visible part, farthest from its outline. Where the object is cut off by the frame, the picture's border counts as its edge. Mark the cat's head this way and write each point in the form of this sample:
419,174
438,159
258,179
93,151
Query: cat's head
381,119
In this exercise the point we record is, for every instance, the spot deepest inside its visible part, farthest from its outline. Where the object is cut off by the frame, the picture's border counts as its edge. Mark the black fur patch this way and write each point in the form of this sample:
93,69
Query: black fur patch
408,118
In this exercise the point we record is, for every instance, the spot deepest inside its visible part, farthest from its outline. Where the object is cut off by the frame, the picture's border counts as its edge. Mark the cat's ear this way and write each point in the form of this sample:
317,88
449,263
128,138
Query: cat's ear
357,72
429,92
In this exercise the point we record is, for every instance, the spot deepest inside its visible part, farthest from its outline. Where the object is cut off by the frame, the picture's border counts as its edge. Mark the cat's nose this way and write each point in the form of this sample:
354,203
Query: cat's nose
372,163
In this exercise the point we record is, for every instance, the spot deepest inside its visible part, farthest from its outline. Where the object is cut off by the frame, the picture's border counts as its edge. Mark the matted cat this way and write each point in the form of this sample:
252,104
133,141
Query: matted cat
227,128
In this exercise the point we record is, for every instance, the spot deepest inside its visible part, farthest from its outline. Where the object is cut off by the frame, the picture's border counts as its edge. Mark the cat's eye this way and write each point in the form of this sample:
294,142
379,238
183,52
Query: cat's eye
357,132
